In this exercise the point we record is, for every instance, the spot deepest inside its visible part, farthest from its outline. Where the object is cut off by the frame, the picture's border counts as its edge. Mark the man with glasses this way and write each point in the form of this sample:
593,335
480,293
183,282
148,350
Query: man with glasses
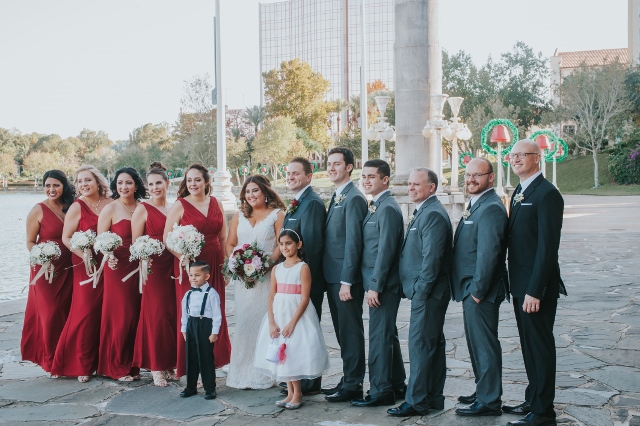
479,281
533,240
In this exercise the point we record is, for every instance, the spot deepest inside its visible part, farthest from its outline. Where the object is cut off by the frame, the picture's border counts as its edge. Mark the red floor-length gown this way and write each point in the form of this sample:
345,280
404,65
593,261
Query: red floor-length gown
120,311
48,304
211,253
155,347
77,351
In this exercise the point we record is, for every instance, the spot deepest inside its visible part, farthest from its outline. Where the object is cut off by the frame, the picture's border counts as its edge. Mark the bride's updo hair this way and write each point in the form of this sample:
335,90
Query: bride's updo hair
296,239
157,168
273,200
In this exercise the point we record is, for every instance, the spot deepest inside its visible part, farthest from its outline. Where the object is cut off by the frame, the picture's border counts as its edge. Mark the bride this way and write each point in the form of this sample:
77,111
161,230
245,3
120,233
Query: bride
259,220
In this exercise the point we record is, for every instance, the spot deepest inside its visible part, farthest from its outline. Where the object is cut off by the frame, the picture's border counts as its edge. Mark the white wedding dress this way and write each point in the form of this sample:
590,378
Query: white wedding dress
251,306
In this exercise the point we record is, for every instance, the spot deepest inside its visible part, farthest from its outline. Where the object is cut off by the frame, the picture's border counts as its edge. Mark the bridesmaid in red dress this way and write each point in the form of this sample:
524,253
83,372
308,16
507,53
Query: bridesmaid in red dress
121,301
155,347
196,207
77,351
48,303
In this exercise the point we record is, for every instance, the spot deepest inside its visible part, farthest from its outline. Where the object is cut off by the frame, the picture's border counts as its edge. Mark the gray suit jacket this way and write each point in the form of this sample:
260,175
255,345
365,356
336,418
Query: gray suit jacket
343,238
479,251
382,238
308,221
425,258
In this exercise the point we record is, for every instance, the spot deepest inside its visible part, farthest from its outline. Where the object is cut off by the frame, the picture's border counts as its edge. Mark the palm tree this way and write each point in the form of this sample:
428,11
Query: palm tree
254,116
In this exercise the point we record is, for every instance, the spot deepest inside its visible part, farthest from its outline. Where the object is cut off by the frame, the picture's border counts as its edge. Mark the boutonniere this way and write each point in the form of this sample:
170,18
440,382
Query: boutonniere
293,206
339,198
518,198
466,214
411,218
372,208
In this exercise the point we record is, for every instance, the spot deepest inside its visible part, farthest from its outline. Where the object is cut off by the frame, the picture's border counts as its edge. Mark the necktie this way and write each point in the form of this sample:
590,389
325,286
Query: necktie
333,200
371,203
415,212
469,206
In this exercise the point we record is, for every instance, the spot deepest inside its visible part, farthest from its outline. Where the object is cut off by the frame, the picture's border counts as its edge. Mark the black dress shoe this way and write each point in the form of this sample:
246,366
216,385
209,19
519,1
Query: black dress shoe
468,399
404,410
534,420
523,408
478,409
437,405
334,389
283,384
385,399
210,394
344,395
186,393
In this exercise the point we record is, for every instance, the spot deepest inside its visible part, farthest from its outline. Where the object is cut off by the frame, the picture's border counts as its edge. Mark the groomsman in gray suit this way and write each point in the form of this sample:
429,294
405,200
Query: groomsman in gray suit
382,238
425,268
480,282
341,265
306,215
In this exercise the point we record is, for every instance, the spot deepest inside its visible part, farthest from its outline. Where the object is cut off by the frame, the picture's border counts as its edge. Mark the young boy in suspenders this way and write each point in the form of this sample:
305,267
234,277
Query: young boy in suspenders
200,324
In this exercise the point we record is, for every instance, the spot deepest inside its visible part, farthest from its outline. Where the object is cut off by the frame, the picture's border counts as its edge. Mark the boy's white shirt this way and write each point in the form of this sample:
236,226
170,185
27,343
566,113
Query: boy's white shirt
211,309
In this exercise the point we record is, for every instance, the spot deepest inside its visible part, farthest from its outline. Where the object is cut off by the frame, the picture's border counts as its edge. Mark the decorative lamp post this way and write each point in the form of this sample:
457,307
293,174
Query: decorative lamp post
382,131
543,144
458,131
507,159
500,135
559,153
441,128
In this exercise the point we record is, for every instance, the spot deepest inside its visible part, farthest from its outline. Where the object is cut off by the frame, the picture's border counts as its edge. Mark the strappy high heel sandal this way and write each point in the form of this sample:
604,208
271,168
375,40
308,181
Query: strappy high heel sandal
84,379
159,379
171,375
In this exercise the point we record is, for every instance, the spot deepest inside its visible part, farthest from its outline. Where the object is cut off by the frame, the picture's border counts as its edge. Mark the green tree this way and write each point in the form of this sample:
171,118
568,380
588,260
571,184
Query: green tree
14,143
295,90
277,144
598,100
152,135
93,143
36,163
7,165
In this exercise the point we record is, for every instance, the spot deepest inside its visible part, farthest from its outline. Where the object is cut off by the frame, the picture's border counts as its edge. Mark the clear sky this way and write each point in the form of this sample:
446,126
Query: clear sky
114,65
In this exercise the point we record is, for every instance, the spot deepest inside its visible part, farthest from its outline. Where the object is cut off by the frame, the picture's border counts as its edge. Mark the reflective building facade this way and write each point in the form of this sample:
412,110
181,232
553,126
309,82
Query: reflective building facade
327,35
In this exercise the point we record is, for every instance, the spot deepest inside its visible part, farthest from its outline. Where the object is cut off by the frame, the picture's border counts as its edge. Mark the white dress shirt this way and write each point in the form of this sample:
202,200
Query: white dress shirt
299,194
525,183
476,197
341,188
377,197
211,308
420,205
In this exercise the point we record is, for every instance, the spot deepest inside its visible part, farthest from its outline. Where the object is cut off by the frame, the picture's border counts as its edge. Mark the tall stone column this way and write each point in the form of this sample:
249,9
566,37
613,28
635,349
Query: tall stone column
418,75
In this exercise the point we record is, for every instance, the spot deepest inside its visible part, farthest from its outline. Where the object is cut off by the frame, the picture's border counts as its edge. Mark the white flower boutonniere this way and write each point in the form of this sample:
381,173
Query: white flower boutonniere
518,198
466,214
372,208
339,198
411,218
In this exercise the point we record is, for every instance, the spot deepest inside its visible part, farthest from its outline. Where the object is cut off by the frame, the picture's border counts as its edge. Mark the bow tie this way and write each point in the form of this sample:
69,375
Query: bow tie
196,289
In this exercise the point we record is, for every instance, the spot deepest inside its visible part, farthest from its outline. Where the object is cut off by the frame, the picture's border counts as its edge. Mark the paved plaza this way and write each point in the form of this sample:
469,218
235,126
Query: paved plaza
597,336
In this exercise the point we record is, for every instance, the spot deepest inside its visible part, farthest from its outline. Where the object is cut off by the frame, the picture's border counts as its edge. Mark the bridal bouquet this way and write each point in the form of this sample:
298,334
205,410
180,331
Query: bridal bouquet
248,264
188,242
84,241
105,243
44,254
142,249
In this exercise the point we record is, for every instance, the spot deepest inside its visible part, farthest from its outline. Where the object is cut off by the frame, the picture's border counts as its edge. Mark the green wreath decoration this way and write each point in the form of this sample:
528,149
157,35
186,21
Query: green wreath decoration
462,157
212,170
565,151
484,135
244,171
283,169
314,167
170,174
548,157
179,172
263,170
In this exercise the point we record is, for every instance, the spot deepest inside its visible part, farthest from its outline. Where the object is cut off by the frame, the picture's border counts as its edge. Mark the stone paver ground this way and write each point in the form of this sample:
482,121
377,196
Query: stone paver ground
597,335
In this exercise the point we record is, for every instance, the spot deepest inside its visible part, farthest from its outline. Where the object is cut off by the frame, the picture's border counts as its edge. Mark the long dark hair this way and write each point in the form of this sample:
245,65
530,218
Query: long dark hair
141,190
68,190
296,239
183,191
273,199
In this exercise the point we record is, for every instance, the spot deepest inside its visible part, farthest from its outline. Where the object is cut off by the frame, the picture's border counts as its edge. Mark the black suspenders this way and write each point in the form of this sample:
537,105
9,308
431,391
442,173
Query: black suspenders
204,301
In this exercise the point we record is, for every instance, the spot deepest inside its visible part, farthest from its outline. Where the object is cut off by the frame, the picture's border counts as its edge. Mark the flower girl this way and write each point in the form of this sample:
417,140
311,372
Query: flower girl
291,324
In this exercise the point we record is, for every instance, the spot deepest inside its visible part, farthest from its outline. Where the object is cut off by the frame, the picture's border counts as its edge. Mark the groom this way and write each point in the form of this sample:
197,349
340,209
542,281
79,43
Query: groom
341,265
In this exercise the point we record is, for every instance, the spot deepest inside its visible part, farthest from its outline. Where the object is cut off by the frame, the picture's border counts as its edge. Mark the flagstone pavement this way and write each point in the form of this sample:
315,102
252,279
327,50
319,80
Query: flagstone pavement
597,337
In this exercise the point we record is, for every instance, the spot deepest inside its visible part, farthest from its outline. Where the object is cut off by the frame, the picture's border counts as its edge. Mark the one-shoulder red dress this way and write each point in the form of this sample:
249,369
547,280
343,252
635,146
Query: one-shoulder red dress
155,347
48,304
77,351
120,311
211,253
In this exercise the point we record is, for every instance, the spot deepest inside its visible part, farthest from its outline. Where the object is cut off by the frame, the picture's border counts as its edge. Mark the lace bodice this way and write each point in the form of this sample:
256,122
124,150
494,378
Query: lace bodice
263,232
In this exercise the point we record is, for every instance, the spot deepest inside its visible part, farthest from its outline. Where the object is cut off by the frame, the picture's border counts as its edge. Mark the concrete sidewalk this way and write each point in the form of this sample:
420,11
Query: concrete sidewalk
597,337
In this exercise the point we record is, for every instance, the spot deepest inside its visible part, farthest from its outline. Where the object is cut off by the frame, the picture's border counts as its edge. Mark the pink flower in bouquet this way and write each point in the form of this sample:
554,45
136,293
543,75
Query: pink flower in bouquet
247,261
257,262
245,246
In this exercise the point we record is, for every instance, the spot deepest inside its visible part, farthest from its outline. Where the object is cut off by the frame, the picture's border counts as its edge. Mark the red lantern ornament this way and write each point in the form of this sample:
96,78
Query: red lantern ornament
499,134
543,142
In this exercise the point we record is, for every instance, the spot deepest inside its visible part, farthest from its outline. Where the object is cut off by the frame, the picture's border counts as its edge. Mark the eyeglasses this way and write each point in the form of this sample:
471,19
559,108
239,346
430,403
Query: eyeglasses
475,175
521,155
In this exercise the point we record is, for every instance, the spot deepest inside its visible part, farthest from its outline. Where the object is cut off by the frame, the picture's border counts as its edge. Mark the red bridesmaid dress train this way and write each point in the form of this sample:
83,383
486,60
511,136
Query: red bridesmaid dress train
155,347
211,253
120,311
77,351
48,304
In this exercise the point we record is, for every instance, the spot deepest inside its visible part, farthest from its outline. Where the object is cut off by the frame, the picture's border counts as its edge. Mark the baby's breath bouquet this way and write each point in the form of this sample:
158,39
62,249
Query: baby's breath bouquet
44,254
106,243
83,240
142,249
188,242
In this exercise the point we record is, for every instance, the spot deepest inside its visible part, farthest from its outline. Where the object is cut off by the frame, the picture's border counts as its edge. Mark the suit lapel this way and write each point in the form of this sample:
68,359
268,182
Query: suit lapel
304,194
376,204
527,193
415,218
344,194
475,207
